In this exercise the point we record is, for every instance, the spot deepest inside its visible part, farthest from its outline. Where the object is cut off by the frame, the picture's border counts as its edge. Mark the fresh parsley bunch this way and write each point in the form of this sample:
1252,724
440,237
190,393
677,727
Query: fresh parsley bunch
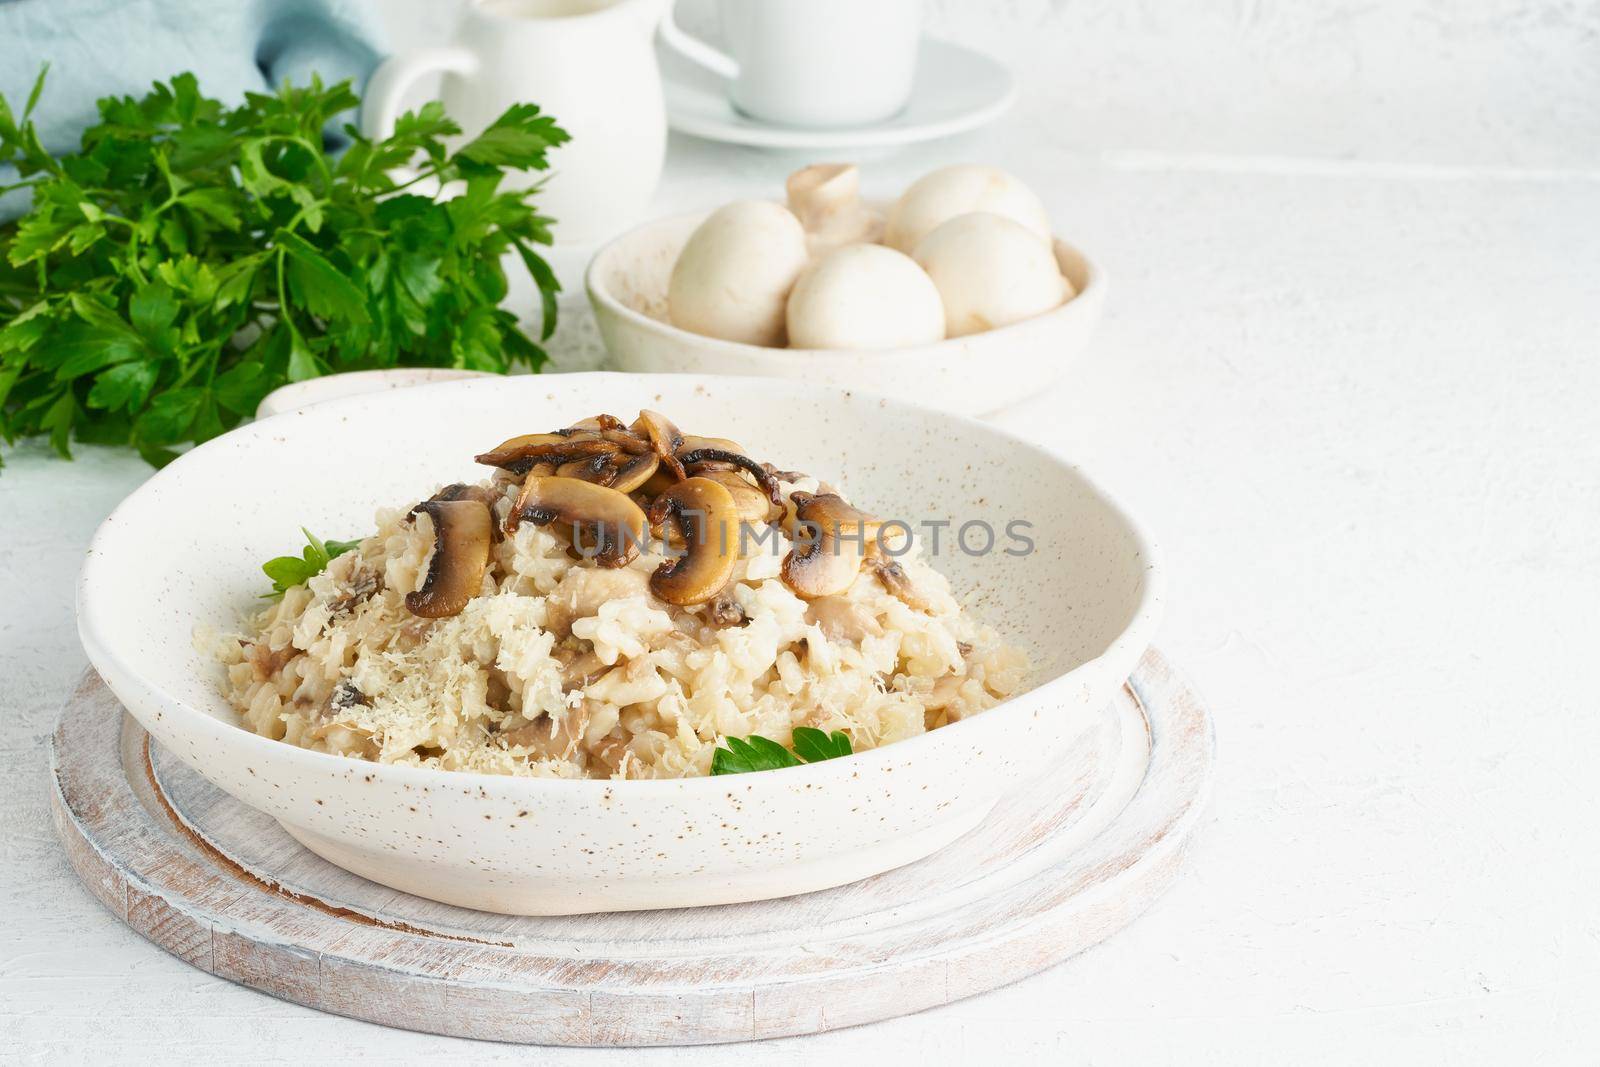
191,257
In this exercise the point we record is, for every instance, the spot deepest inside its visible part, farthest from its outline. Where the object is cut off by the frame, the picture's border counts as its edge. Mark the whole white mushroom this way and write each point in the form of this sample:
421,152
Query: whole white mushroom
936,198
990,271
864,296
733,276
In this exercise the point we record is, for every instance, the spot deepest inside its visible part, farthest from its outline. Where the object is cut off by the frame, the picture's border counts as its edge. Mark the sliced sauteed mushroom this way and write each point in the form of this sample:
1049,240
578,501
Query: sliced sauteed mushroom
705,515
488,495
783,476
363,583
635,472
346,695
626,440
692,459
665,438
648,459
754,505
660,480
519,454
596,468
599,422
898,582
830,541
462,533
622,471
692,443
724,610
462,491
602,522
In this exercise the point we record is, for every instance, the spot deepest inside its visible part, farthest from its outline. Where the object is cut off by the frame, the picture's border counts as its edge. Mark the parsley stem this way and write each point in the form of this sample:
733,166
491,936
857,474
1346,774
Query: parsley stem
435,173
133,245
315,152
283,299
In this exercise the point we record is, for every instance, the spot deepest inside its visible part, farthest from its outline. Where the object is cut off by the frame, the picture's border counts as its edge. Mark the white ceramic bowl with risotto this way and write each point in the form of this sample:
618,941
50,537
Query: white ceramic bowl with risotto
976,374
184,552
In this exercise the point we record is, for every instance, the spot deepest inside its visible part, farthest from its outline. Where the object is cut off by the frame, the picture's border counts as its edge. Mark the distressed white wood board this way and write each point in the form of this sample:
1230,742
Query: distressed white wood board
1057,867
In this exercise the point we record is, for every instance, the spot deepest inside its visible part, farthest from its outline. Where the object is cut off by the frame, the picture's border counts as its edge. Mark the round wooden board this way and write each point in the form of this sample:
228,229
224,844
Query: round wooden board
1056,867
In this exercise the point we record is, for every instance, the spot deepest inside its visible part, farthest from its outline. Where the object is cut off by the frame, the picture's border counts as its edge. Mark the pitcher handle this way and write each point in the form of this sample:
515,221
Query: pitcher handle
380,105
694,49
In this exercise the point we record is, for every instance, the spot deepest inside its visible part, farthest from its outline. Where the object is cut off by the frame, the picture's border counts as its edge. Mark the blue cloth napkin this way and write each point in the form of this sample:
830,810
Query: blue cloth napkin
100,48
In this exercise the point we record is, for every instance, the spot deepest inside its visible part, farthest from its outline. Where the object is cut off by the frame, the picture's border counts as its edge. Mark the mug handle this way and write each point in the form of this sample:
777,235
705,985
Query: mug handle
380,105
694,49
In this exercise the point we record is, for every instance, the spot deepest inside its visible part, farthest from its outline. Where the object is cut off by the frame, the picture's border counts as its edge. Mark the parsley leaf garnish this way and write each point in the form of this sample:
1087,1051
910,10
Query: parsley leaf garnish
287,572
756,753
814,745
192,256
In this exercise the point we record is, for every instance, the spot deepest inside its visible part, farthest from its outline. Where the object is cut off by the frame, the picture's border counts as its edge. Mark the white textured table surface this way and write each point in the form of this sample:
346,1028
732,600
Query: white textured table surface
1349,374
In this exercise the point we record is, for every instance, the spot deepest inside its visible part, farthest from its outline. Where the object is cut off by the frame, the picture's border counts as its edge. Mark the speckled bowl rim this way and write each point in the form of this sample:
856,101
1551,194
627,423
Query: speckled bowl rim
303,394
1134,638
1094,283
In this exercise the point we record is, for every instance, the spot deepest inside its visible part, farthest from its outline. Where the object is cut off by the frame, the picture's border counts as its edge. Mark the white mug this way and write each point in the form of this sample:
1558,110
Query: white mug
588,63
821,64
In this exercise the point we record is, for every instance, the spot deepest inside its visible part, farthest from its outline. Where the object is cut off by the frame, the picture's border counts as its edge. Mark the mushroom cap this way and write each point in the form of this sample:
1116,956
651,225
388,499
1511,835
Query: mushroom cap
939,196
990,271
705,515
734,274
864,297
600,520
462,533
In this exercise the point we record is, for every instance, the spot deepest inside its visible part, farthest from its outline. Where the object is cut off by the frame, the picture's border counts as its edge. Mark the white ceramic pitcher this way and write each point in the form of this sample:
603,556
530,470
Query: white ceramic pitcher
589,63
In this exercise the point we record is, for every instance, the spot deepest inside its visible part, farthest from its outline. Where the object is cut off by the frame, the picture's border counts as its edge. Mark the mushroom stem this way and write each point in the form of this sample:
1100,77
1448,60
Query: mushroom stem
826,198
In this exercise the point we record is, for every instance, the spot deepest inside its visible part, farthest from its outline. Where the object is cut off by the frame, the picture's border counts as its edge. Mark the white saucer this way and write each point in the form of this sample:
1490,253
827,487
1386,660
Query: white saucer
956,89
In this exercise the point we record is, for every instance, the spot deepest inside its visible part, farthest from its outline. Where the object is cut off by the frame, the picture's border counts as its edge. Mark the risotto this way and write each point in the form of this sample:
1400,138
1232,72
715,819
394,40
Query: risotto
615,601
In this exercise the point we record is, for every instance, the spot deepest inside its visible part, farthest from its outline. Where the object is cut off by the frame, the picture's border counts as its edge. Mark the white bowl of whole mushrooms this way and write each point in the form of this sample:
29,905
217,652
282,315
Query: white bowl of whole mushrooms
956,295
